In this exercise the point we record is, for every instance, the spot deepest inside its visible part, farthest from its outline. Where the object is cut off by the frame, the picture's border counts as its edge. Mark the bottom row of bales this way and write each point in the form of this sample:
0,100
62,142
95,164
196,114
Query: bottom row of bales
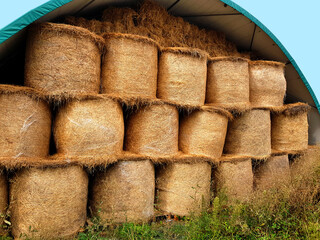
51,202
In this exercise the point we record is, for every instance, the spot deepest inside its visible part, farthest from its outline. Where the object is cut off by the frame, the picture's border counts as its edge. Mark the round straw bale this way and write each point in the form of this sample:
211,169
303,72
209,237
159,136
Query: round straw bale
273,172
267,83
48,203
203,133
25,124
235,179
153,131
3,200
62,58
250,134
124,192
130,65
92,126
228,80
289,132
182,76
183,188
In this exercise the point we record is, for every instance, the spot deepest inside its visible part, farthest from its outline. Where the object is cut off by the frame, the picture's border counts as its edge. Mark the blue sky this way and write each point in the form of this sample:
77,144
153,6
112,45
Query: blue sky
294,22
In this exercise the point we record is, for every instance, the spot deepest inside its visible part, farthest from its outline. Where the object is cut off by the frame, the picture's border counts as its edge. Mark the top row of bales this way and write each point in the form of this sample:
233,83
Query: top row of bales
66,60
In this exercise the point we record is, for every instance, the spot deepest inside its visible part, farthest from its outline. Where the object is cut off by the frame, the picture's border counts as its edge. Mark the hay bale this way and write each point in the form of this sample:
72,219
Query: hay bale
274,172
153,131
289,128
228,81
48,203
124,192
250,134
130,66
235,179
62,58
92,126
3,200
267,83
203,133
182,76
183,188
25,123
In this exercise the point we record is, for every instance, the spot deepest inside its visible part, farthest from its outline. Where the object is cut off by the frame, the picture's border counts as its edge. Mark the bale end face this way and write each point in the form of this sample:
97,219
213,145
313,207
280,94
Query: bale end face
183,189
48,203
124,192
182,77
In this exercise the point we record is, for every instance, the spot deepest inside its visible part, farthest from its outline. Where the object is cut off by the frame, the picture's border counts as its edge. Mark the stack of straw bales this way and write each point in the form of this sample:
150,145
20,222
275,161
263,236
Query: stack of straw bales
163,94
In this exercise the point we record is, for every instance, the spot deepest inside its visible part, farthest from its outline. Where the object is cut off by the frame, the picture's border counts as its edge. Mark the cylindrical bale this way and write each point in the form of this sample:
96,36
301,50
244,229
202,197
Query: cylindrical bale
203,133
235,179
183,188
25,124
267,83
124,192
92,126
153,131
289,132
62,58
228,80
274,172
3,200
130,66
249,134
48,203
182,76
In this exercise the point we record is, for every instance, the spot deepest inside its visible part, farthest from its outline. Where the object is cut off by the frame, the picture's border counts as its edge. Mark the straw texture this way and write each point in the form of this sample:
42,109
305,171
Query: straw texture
62,58
203,133
183,188
274,172
48,203
182,76
89,127
235,179
267,83
130,66
124,192
250,134
172,31
228,80
289,132
25,124
3,199
153,131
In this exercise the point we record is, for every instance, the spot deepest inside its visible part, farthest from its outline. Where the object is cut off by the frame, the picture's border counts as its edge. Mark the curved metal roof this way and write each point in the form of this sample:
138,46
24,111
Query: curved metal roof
223,15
